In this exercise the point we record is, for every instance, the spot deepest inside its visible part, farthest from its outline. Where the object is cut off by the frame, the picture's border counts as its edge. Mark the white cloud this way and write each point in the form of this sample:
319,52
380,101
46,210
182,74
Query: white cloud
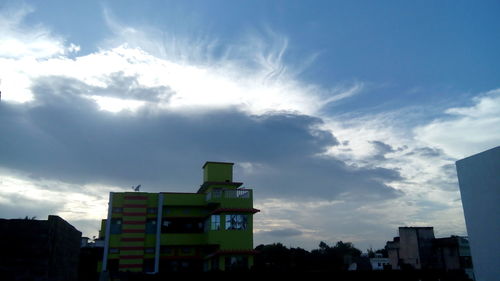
23,49
466,130
115,104
424,155
21,195
203,81
19,41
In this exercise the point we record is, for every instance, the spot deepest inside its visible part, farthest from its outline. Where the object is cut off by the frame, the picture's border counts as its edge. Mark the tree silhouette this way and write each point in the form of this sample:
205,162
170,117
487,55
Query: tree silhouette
278,258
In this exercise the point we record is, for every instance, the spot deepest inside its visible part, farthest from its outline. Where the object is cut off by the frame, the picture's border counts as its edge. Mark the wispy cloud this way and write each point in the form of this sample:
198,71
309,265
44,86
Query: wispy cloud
466,130
20,41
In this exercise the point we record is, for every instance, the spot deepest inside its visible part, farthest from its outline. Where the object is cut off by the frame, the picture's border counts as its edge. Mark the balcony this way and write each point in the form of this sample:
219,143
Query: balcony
230,197
229,194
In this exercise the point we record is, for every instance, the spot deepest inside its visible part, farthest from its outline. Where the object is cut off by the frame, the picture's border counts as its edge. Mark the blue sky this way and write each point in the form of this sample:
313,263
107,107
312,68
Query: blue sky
353,111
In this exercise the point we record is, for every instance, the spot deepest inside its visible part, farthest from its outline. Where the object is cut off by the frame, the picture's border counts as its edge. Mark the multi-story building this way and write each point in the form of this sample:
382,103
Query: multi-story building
392,248
209,230
412,248
39,249
479,179
453,253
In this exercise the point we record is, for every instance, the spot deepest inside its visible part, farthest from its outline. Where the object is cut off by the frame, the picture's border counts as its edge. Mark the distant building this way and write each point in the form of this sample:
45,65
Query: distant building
414,248
361,263
39,249
91,254
453,253
379,262
479,179
417,248
392,248
209,230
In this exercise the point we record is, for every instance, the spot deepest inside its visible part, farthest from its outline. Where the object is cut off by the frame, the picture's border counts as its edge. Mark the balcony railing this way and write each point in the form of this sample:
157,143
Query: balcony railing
240,193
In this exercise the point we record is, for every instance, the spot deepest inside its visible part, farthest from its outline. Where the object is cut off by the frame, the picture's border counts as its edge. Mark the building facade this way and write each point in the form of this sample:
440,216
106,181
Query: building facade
413,248
453,253
209,230
479,180
39,249
379,262
392,248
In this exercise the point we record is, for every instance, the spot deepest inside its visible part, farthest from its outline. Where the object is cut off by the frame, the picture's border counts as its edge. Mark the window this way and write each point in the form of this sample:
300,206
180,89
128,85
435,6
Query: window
117,210
217,193
215,222
166,226
151,210
151,226
236,222
116,226
186,250
236,263
114,250
166,250
182,225
149,250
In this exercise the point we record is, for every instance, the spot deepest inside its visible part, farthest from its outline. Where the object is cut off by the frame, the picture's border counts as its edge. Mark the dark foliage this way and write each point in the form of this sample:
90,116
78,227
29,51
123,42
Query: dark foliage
334,260
278,258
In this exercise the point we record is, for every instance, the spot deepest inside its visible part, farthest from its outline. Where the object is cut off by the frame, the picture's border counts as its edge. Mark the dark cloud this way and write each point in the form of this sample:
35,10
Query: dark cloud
381,150
124,86
426,152
429,152
62,135
118,85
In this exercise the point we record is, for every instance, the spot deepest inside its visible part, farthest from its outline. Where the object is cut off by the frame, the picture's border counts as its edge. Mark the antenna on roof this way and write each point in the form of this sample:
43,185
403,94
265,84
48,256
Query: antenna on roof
136,188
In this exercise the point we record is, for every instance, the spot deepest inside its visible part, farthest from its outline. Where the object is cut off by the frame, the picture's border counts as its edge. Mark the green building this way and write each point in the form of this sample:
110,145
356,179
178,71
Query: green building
209,230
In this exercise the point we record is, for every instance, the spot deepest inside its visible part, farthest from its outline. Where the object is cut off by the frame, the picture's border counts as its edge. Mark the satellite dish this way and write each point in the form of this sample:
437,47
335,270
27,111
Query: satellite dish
136,188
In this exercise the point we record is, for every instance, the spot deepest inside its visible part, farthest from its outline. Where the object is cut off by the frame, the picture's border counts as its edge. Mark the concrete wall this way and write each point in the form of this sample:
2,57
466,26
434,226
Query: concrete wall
415,245
64,244
393,252
408,250
479,179
39,250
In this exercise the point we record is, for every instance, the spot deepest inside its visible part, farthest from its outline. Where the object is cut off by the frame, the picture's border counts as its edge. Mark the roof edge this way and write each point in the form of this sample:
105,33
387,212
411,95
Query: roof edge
215,162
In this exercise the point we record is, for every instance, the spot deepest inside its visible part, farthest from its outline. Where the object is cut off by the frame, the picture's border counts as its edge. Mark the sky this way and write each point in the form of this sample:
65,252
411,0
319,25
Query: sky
345,117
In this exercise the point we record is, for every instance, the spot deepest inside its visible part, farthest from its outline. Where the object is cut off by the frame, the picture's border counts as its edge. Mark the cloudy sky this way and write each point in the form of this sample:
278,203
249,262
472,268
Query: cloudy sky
345,117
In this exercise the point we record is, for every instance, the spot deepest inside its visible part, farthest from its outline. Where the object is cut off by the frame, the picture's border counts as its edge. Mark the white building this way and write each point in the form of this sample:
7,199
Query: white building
378,262
479,179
